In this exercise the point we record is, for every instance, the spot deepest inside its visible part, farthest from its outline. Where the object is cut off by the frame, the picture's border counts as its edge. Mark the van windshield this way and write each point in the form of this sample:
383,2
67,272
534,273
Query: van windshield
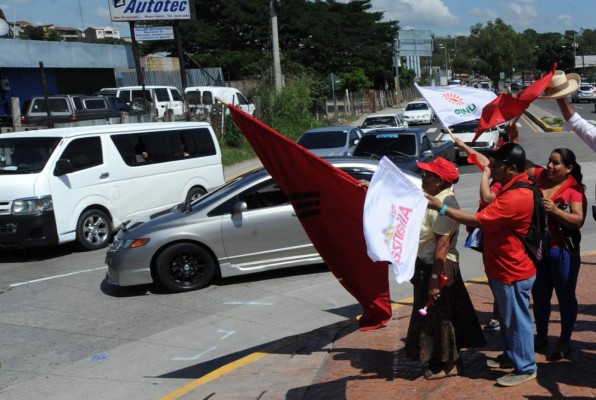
25,155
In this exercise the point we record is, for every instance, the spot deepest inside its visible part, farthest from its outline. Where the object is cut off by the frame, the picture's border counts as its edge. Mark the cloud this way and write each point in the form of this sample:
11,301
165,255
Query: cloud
418,14
102,12
566,20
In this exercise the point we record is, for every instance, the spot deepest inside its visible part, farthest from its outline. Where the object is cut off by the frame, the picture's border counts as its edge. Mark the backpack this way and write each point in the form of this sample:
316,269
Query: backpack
536,240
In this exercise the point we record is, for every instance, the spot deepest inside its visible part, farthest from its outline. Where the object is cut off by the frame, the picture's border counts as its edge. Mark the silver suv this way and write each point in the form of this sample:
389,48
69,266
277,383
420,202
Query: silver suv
584,93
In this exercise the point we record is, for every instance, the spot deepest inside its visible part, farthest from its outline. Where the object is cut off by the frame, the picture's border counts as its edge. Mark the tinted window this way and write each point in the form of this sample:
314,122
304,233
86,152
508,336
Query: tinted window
124,96
241,99
84,153
176,96
56,105
156,147
323,140
207,97
25,155
193,97
139,94
95,104
386,144
78,103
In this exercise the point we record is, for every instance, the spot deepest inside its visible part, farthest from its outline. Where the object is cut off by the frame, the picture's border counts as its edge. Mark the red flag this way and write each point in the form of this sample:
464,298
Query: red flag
506,107
329,204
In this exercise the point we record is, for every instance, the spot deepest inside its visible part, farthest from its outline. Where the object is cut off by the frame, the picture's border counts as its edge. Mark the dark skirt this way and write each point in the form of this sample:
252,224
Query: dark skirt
451,322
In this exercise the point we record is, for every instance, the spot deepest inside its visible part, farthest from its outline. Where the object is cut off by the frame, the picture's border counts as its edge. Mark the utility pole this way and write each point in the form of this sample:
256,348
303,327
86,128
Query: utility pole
273,4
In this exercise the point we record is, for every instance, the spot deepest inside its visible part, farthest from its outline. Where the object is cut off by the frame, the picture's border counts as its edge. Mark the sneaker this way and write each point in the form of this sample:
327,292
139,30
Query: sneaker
513,378
500,362
493,325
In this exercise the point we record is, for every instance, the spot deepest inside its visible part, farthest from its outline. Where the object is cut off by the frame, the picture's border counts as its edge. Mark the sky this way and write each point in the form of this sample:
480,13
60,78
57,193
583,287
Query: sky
442,17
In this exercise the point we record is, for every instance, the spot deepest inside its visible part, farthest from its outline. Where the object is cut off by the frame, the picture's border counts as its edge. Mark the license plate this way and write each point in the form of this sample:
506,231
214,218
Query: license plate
463,154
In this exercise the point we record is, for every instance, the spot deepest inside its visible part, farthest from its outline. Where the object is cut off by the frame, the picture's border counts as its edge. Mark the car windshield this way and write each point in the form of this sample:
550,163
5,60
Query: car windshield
323,140
416,107
466,127
386,144
25,155
379,121
586,88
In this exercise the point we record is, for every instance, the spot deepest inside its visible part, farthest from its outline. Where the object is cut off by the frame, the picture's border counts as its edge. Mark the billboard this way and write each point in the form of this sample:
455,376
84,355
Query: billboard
415,43
144,33
149,10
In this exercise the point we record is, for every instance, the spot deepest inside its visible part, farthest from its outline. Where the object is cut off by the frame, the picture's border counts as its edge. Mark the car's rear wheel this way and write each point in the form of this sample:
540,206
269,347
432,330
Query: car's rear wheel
182,267
94,230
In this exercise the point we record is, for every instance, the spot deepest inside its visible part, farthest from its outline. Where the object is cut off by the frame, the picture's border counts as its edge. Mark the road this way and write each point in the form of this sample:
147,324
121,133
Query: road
66,335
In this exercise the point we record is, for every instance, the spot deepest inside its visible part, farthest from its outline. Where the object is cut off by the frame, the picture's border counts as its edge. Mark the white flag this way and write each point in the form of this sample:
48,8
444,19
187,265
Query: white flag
393,211
455,104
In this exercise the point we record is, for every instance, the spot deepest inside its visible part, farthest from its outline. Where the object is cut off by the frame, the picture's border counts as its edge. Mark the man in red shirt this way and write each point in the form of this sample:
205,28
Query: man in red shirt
507,264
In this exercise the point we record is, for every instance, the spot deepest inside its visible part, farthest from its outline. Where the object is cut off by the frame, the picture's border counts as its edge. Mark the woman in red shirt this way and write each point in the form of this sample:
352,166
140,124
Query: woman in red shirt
565,203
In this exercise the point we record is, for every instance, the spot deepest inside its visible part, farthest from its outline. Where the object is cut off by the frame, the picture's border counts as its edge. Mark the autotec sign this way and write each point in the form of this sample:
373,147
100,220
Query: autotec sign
149,10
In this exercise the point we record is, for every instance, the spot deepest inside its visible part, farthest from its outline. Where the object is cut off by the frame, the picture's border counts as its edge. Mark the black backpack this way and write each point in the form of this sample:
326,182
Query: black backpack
536,240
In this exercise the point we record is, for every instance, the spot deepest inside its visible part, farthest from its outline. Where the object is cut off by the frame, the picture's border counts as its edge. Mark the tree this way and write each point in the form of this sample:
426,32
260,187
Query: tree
33,32
327,36
499,48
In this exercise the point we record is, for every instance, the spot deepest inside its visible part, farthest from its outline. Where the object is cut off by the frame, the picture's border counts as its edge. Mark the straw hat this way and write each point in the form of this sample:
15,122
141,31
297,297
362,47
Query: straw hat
561,85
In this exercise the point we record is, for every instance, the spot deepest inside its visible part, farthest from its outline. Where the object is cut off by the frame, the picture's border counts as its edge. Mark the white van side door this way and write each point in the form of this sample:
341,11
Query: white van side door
169,98
87,184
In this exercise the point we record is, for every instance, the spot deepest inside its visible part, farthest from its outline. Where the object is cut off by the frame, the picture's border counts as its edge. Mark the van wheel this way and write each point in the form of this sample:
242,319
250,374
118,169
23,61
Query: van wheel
94,230
194,193
185,266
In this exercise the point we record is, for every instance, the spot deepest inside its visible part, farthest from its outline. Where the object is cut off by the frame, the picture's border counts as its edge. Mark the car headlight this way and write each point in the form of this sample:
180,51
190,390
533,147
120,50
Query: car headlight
32,205
130,243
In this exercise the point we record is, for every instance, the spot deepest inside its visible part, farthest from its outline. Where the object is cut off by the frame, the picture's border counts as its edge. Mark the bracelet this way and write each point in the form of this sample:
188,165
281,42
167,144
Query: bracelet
443,209
434,276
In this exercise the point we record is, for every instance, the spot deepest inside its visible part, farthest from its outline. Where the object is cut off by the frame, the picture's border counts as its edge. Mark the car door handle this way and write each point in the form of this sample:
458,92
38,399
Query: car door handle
105,175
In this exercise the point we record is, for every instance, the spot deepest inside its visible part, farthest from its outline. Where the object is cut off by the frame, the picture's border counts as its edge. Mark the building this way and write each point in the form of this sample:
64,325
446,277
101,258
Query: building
92,34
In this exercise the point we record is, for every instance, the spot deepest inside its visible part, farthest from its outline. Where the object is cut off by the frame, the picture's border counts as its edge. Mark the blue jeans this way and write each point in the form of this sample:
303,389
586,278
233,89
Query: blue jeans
558,271
517,327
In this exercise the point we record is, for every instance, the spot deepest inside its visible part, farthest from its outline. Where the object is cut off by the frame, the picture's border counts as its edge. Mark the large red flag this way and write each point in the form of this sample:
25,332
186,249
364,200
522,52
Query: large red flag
329,204
506,107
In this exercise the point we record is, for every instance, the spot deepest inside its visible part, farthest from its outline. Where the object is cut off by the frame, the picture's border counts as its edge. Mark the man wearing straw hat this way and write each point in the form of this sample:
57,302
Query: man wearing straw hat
561,86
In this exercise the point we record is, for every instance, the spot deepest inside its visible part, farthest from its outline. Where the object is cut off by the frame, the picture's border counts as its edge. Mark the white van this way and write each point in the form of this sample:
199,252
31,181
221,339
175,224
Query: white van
80,184
166,97
202,98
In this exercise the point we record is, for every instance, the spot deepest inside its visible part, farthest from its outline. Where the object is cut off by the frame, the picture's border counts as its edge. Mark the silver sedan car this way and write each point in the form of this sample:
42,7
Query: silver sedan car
244,227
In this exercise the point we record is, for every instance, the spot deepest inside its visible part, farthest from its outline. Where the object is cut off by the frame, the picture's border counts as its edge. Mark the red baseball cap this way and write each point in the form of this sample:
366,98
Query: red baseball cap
442,167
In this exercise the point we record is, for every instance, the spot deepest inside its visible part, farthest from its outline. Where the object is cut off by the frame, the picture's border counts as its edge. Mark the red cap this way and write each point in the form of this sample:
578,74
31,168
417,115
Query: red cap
442,167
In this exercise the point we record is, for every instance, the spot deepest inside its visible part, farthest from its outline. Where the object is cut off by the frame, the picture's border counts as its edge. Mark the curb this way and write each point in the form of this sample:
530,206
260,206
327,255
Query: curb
545,127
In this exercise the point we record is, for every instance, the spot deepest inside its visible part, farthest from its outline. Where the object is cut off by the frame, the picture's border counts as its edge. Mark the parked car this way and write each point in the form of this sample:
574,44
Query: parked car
244,227
418,112
405,147
331,140
165,97
584,93
383,121
202,98
515,85
67,108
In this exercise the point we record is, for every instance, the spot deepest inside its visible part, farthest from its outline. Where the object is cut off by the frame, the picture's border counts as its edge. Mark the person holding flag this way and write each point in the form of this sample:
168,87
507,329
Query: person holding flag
451,322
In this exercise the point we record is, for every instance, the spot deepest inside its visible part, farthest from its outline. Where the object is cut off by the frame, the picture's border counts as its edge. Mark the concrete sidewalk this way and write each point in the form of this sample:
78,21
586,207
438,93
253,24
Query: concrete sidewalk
340,362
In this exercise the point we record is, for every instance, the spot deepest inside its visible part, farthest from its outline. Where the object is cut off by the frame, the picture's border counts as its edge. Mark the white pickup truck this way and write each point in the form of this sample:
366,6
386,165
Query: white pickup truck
466,132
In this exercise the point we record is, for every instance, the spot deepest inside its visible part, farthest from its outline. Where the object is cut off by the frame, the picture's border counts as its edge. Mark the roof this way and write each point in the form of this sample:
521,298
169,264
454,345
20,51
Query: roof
103,129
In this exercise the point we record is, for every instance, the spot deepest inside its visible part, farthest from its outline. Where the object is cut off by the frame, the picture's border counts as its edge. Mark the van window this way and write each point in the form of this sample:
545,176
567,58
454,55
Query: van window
124,96
176,96
207,97
25,155
84,153
241,99
193,97
139,94
164,146
162,95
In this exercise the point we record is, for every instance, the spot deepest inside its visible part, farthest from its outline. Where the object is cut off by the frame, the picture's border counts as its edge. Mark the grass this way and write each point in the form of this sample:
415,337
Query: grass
552,121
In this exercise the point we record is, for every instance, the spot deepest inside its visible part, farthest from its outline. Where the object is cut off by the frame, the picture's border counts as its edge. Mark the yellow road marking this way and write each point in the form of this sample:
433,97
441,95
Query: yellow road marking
234,365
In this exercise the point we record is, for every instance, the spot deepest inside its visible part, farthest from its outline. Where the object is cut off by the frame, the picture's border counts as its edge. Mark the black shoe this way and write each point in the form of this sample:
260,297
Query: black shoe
562,351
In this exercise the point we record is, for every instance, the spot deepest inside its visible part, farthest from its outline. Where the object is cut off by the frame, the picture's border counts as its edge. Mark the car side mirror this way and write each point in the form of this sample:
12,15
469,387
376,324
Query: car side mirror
427,153
239,208
63,167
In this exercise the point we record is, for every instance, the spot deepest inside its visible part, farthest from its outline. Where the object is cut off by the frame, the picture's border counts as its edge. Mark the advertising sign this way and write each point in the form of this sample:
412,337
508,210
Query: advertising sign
144,33
149,10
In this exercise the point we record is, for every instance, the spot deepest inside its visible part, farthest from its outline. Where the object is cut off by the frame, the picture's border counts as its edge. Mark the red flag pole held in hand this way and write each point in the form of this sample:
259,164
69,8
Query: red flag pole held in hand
442,282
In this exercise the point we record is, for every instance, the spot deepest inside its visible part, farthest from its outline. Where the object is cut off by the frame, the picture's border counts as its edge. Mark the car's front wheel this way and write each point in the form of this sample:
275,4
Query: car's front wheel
182,267
94,230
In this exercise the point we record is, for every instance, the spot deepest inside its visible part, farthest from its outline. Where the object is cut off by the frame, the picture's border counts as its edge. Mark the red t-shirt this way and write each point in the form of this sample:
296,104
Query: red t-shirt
569,192
504,221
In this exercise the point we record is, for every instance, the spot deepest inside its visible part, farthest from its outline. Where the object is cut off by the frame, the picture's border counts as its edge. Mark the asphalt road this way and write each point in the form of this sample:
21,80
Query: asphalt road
66,335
